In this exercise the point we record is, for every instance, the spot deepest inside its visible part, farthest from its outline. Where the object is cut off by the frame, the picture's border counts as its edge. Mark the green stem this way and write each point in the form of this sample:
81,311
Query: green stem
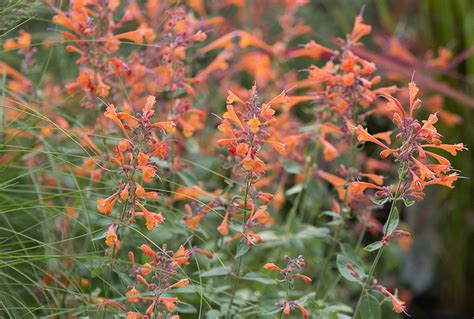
379,252
286,298
239,261
327,259
358,246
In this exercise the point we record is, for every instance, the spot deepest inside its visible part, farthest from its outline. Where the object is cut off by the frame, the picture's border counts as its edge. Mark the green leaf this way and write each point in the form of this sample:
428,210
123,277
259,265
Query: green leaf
342,262
183,307
218,271
242,248
294,190
101,235
369,307
313,232
213,314
292,167
337,309
408,202
254,276
380,201
374,246
97,271
186,180
392,223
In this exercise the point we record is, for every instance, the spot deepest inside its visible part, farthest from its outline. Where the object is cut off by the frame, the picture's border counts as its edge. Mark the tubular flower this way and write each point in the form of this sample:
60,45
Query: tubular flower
414,137
398,306
161,271
135,154
245,133
111,237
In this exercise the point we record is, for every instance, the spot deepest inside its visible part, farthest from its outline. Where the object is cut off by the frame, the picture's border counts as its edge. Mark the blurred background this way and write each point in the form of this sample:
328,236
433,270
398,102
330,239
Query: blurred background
438,270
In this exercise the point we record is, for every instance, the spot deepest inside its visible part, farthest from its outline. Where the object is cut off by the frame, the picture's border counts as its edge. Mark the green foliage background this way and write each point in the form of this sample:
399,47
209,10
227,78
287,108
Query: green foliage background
438,269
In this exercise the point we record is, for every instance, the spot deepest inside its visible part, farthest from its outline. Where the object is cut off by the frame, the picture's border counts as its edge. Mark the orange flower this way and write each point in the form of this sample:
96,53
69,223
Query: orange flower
247,39
254,125
232,97
168,126
143,159
111,114
358,188
133,295
192,222
279,147
232,116
152,219
452,149
242,149
360,29
312,50
183,283
377,179
364,136
424,172
147,251
181,256
111,237
102,88
329,151
334,180
271,266
223,227
148,173
445,180
124,193
105,206
169,303
305,278
146,269
139,190
398,306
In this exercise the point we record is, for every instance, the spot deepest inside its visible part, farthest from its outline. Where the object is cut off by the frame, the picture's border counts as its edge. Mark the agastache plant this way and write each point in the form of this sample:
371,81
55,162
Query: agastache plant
418,168
121,197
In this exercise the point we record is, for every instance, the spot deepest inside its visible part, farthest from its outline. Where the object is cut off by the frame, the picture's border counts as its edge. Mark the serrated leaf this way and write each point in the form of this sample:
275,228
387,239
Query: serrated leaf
254,276
374,246
342,262
242,248
392,223
369,307
218,271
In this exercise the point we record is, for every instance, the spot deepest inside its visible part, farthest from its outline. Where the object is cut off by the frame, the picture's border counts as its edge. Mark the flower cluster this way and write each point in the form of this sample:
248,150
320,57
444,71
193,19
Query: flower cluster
245,134
420,167
134,157
287,274
233,190
157,275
